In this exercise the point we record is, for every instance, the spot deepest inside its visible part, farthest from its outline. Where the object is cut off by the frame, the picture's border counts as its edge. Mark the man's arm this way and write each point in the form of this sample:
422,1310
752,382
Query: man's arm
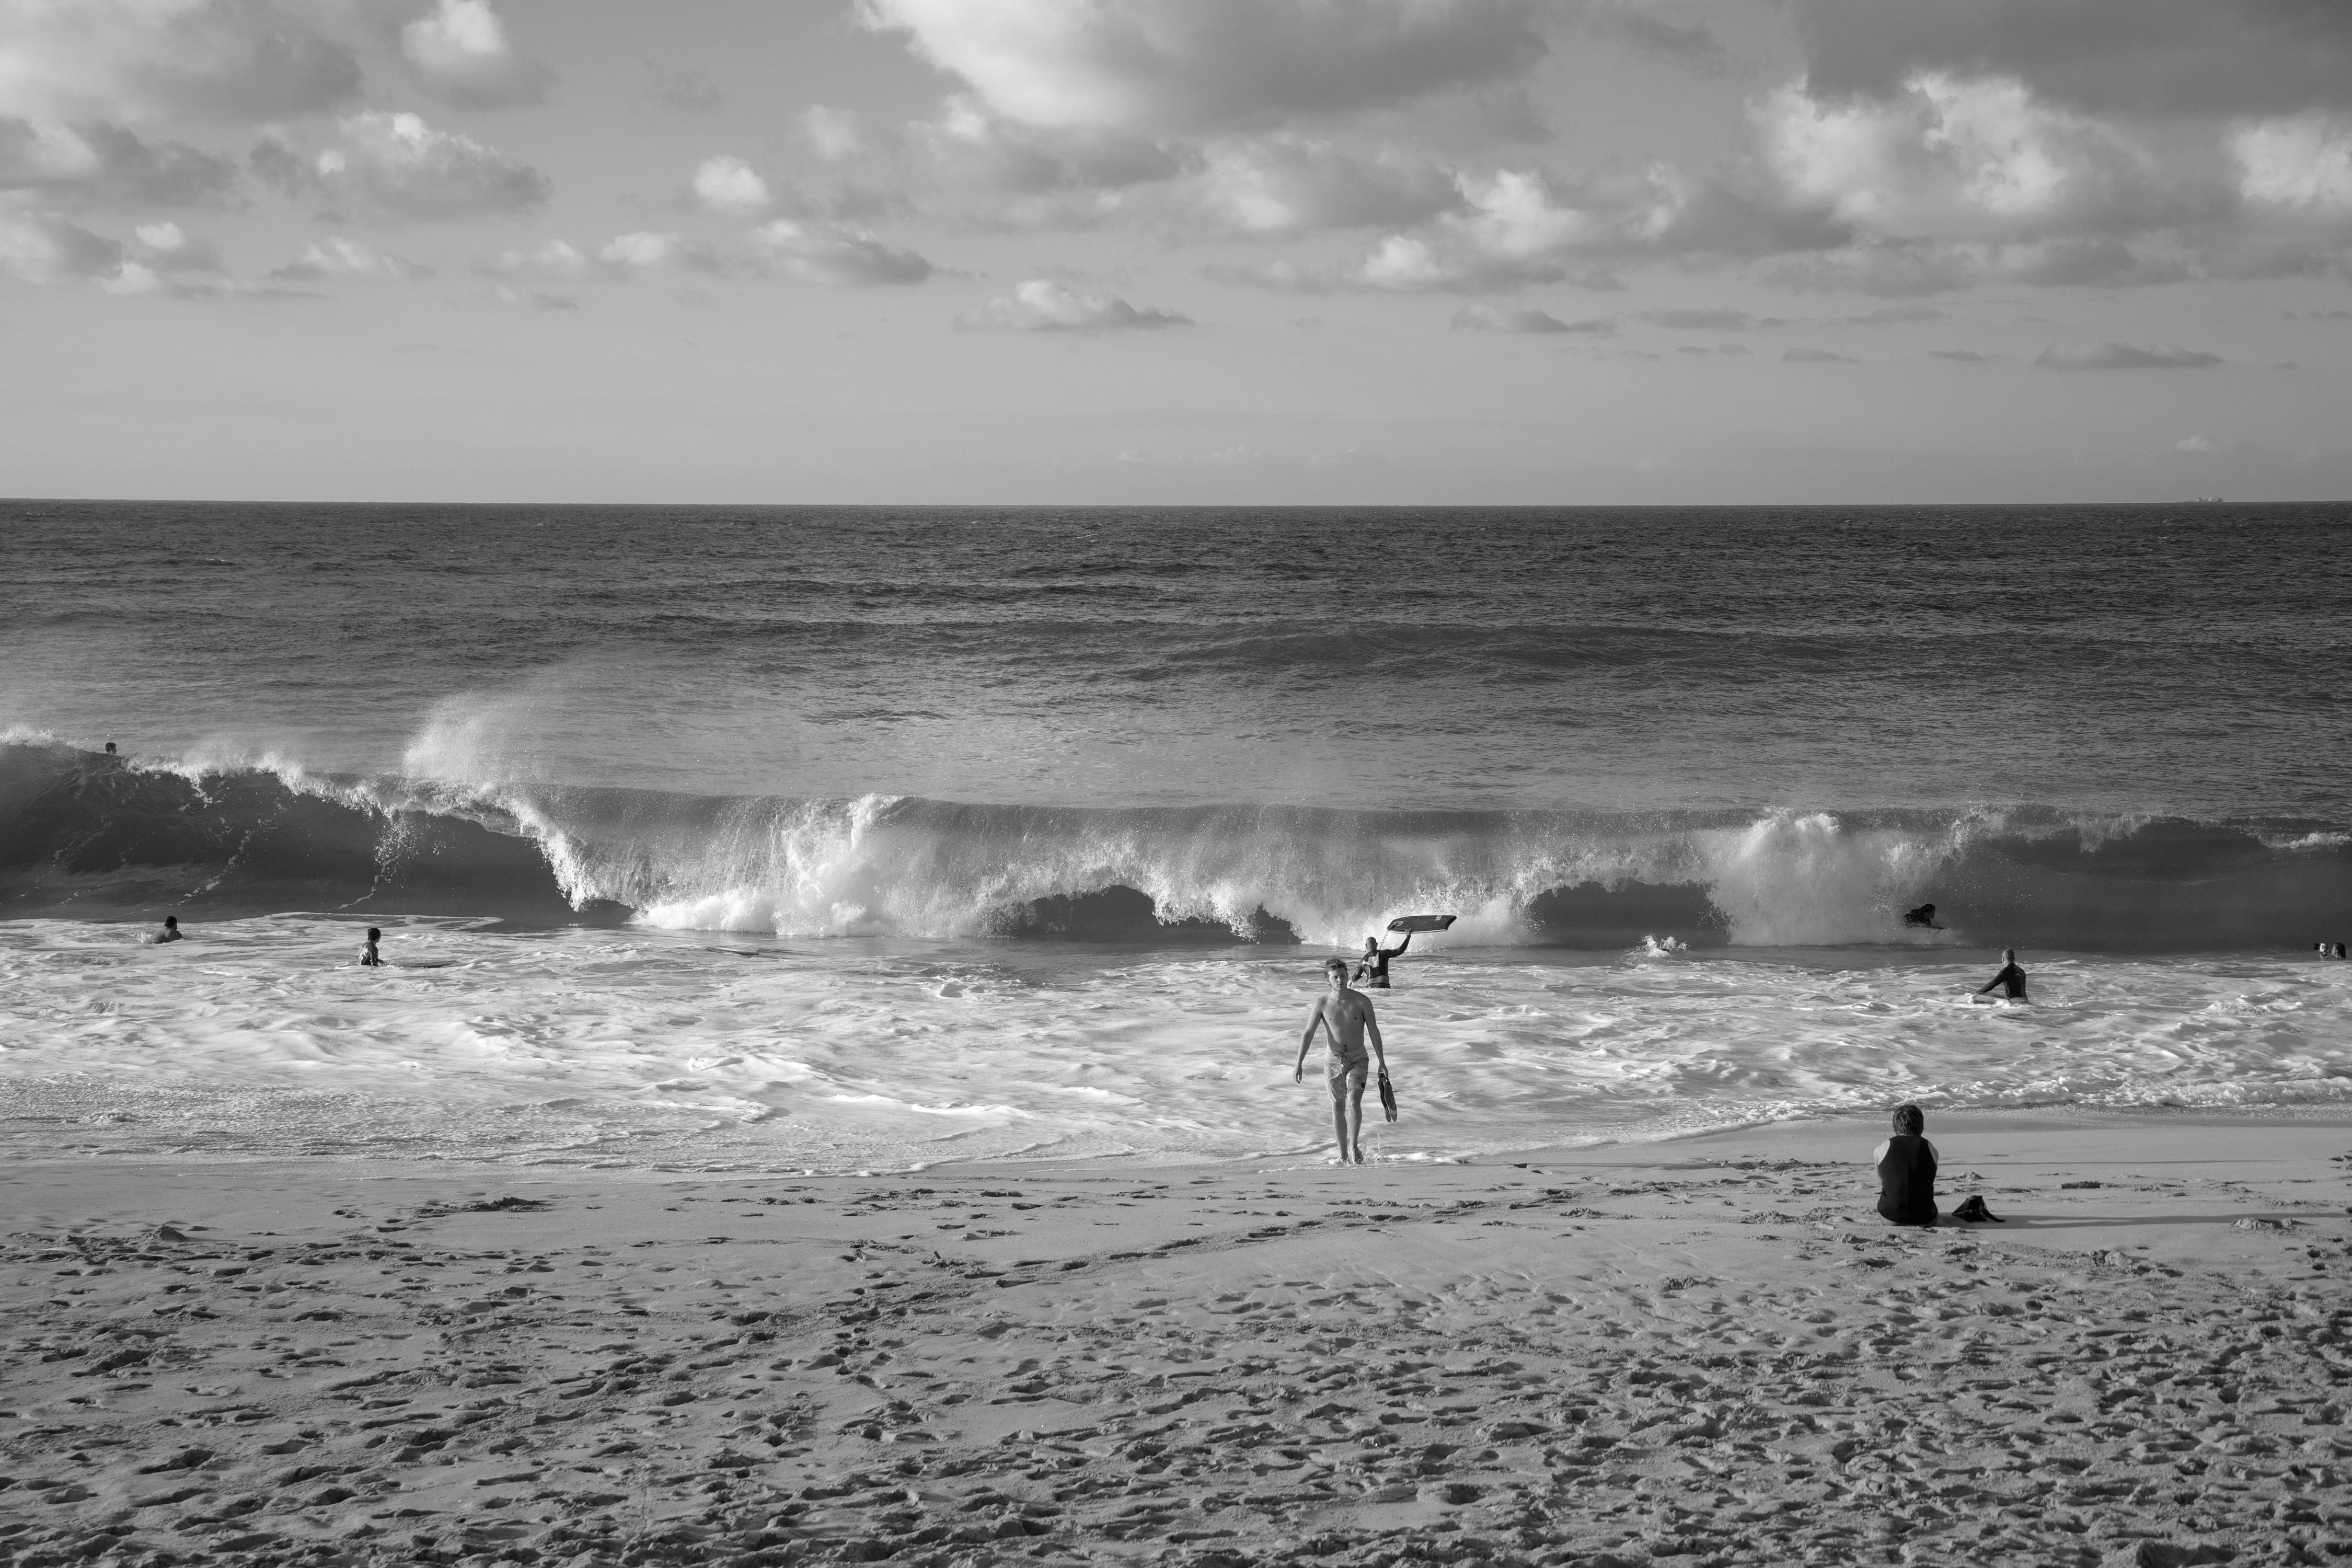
1372,1033
1989,984
1313,1017
1400,947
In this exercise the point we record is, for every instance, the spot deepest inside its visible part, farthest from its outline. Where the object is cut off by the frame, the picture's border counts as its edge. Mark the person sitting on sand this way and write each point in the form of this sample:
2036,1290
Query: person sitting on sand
1907,1171
2010,981
1346,1016
170,931
1373,970
371,958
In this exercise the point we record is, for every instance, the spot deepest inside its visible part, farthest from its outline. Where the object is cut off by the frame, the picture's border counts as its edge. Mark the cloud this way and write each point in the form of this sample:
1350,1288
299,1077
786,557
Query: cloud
2122,356
1288,185
339,258
1193,66
459,53
168,248
1963,158
1908,270
40,248
1963,356
1800,354
1686,44
532,298
683,90
99,163
827,253
398,165
2298,168
134,60
1710,320
725,183
1526,320
2151,57
1892,315
1041,305
834,133
968,149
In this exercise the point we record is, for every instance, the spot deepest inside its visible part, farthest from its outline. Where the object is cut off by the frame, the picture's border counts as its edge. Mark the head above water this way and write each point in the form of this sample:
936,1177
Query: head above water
2009,956
374,935
170,922
1909,1118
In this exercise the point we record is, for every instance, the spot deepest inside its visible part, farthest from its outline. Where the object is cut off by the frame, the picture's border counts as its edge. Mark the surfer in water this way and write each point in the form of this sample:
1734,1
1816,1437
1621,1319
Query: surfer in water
170,931
371,958
1346,1018
1925,915
2010,981
1373,971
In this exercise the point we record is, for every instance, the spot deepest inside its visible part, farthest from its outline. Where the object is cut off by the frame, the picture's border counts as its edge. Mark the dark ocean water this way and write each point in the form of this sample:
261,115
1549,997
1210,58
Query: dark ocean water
2084,727
1014,823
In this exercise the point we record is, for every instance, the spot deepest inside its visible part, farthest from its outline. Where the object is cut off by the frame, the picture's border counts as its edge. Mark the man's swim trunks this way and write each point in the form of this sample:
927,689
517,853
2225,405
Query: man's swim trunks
1347,1072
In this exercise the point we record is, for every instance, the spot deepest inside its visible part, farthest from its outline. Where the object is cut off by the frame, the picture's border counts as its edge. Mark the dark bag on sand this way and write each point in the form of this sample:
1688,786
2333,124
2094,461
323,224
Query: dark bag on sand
1388,1096
1973,1211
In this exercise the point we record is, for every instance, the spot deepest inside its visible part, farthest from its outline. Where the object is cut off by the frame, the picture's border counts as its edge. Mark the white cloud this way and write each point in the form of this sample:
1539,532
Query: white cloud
1704,319
134,60
1526,320
837,254
168,248
1972,158
339,258
1800,354
459,53
2300,166
1041,305
99,163
40,248
2123,356
1909,269
557,261
1211,65
398,165
725,183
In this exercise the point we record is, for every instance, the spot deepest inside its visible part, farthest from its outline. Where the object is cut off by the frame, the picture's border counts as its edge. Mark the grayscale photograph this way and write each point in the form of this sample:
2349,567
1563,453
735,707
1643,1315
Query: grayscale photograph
1197,783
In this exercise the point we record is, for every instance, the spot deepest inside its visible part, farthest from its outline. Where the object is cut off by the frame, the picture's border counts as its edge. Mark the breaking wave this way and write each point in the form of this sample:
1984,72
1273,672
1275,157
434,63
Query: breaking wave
101,836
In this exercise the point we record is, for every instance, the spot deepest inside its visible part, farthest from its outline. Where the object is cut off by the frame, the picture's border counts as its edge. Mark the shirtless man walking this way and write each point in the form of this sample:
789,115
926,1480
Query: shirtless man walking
1346,1016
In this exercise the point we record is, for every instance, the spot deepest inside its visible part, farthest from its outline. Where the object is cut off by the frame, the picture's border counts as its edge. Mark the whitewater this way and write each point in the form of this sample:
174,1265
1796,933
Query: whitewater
795,839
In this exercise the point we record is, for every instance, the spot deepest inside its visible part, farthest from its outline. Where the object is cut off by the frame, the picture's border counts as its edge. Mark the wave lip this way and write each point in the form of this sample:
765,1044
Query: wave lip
92,834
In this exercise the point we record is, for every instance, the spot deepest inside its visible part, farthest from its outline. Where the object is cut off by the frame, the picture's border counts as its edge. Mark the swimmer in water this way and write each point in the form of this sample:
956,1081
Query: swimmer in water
1346,1016
371,959
1374,970
170,931
2010,981
1925,915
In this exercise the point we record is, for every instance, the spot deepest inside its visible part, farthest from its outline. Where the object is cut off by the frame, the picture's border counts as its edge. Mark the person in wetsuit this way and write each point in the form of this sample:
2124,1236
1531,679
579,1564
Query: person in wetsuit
369,958
1907,1171
1925,915
2010,981
1374,970
170,931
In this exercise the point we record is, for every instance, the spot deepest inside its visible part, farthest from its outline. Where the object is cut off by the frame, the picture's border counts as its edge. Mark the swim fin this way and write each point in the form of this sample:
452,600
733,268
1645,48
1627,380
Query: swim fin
1388,1096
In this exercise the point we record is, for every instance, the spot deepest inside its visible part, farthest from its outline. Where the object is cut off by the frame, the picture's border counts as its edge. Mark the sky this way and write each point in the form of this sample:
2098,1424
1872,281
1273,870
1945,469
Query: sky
1175,251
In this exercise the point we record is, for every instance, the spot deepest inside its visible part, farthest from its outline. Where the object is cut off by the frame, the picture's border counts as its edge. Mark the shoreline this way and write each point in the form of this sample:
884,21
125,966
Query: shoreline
1707,1347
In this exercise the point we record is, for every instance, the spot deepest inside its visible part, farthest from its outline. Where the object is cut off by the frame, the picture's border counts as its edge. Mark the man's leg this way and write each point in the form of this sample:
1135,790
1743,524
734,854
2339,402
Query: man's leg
1354,1147
1339,1115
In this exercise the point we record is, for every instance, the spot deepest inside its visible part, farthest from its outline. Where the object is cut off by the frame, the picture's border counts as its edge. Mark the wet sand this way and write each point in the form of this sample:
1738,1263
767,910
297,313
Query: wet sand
1705,1351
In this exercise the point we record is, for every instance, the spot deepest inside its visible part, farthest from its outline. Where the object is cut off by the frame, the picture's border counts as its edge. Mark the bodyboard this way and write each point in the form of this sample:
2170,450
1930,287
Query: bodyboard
1421,922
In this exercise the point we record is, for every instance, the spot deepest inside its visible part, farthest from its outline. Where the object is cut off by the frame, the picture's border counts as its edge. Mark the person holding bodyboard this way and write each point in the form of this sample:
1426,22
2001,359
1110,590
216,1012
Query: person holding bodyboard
1373,969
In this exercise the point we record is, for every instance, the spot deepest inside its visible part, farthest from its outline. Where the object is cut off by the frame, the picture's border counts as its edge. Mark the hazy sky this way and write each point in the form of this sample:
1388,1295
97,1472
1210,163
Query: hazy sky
1170,250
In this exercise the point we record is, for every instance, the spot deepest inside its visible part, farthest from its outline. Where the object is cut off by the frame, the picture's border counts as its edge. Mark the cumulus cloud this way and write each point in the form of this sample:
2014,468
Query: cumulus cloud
829,254
1800,354
41,247
459,53
1041,305
1706,319
339,258
1525,318
168,248
1904,269
834,133
2299,167
725,183
135,60
1686,44
396,165
1974,158
99,163
1193,65
2122,356
2124,56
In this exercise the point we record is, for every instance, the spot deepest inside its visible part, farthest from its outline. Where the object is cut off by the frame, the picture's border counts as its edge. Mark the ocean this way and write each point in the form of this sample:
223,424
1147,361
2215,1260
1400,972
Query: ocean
828,840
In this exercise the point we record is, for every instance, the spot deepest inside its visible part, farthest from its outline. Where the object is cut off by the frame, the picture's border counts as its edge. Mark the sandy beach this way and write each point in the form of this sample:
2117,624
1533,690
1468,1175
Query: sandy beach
1707,1349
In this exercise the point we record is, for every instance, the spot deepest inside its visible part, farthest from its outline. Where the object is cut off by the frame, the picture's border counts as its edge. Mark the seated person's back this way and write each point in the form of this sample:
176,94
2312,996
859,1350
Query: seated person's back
1907,1171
